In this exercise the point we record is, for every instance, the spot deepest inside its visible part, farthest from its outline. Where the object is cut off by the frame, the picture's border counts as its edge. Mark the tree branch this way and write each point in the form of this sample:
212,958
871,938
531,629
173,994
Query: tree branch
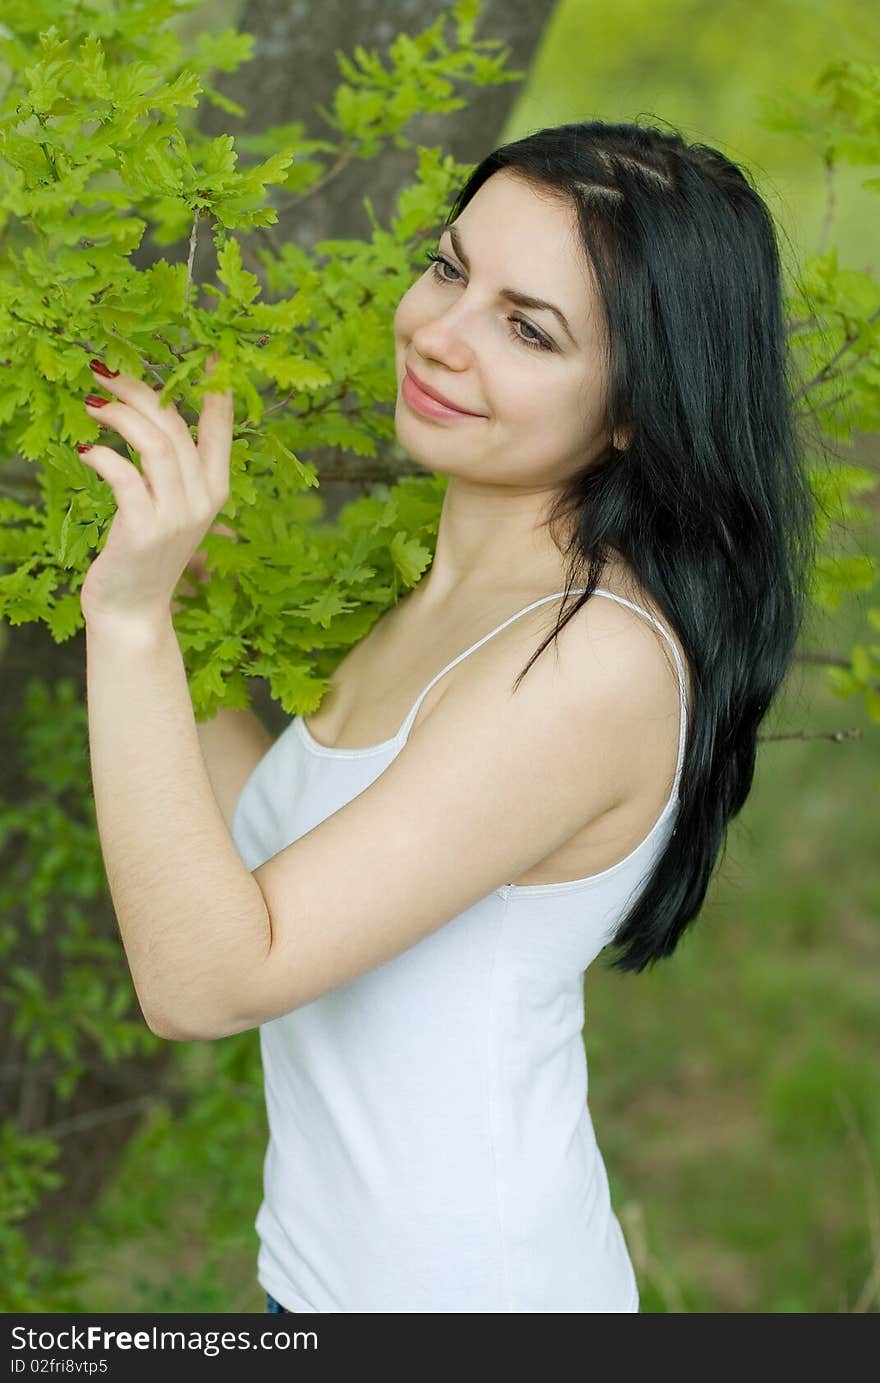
830,403
193,239
337,468
342,161
92,1118
828,659
831,660
178,355
854,733
825,372
296,198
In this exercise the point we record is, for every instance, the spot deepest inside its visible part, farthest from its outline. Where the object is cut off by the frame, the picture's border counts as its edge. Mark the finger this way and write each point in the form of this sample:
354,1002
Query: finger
142,397
127,484
144,400
214,435
159,457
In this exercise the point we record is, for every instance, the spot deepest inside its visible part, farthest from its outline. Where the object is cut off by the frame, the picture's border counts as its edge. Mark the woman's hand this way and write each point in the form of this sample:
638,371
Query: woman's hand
196,572
162,515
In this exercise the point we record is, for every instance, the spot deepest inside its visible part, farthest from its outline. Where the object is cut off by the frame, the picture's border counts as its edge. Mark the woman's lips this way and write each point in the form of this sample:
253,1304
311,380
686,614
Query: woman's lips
424,403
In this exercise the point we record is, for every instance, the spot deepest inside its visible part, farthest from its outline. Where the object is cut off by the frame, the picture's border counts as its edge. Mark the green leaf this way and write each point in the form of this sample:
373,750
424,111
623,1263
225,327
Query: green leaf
862,664
872,704
410,557
242,286
224,51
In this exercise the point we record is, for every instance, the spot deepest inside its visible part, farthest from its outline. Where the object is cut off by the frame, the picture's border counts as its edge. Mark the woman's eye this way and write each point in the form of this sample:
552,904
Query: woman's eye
438,261
535,342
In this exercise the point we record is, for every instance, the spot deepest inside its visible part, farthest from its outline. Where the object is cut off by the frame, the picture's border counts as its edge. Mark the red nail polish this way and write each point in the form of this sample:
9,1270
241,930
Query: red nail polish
81,447
101,369
95,401
157,387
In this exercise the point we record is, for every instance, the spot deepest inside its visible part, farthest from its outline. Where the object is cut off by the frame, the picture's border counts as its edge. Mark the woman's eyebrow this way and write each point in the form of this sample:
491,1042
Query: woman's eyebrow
511,294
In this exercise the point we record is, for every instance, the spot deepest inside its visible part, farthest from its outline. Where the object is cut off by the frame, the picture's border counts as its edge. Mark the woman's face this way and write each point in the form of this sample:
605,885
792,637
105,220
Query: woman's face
538,393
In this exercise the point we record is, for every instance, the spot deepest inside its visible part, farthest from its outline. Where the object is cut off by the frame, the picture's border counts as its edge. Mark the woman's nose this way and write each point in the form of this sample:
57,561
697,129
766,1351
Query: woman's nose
444,336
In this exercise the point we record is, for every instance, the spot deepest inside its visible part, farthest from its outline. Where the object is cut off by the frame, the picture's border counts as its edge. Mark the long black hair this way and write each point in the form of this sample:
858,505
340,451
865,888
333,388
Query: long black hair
709,501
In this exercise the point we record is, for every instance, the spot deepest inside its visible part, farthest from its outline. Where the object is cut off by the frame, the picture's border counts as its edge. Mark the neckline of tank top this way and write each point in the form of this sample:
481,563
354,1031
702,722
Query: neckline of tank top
336,751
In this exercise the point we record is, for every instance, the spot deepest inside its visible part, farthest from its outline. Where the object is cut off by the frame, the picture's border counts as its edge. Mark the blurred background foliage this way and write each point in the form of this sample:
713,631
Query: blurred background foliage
708,69
735,1089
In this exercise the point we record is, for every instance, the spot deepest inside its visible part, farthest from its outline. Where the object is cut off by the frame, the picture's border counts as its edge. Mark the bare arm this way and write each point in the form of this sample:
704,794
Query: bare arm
190,913
232,742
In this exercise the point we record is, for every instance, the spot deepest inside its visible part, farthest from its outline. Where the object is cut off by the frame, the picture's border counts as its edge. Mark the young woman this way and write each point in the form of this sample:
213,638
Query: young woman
603,312
595,357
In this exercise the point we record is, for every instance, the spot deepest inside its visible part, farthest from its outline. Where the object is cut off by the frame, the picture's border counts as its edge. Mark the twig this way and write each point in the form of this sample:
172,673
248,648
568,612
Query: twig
335,397
280,403
178,355
93,1117
265,234
342,161
830,403
83,345
826,369
355,470
193,238
828,659
854,733
832,660
30,1070
49,159
295,199
366,471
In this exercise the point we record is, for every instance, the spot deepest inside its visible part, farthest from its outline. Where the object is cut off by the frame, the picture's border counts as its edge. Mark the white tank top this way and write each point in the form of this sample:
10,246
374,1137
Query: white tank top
430,1144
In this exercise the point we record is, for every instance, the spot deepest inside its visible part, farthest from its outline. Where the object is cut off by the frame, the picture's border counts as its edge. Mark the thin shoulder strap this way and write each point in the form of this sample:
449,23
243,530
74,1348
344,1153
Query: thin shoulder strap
577,590
682,685
414,710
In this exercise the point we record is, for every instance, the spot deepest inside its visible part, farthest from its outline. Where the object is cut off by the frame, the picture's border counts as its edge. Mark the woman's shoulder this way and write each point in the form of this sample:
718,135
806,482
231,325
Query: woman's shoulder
519,614
627,591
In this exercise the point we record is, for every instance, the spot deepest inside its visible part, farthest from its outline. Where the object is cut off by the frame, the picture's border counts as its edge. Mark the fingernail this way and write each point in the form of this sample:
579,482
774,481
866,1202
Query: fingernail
84,447
157,387
101,369
95,402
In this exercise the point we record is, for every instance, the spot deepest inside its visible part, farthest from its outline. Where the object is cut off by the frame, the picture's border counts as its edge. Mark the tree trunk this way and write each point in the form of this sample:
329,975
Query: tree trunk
295,71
